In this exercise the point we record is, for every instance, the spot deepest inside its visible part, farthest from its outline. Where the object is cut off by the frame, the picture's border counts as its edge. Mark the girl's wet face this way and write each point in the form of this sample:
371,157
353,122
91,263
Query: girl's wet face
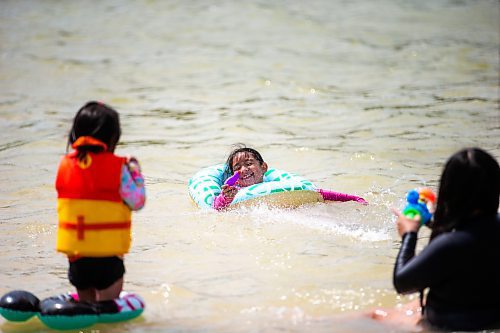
250,169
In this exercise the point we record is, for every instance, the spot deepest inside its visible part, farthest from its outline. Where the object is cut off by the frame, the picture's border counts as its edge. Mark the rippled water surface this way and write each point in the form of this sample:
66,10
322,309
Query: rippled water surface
360,97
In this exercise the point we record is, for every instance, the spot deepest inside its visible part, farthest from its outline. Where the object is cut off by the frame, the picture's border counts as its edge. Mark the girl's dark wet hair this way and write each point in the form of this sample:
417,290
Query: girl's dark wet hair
469,187
240,148
99,121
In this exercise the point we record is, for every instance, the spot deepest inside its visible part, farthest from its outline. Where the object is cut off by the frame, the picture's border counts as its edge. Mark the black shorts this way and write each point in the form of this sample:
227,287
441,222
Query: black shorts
98,273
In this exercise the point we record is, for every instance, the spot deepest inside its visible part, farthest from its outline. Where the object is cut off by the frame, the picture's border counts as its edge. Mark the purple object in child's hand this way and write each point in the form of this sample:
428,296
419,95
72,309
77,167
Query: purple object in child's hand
233,179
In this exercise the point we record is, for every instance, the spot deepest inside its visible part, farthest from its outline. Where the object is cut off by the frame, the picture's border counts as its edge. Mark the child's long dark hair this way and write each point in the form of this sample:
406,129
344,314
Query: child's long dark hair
469,187
241,148
96,120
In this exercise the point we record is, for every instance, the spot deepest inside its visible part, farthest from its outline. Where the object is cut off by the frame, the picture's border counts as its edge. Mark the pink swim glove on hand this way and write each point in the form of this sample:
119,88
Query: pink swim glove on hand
337,196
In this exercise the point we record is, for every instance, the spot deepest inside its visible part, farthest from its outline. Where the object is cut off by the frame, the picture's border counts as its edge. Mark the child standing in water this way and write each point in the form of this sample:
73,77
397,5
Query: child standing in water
97,190
461,264
251,166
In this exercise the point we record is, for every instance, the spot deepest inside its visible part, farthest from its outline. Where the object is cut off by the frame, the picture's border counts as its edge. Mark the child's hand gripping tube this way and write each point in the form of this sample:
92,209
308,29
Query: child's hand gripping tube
233,179
418,204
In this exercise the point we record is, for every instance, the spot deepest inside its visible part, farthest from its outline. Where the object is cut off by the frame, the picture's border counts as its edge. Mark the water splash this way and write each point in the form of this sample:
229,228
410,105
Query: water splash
339,219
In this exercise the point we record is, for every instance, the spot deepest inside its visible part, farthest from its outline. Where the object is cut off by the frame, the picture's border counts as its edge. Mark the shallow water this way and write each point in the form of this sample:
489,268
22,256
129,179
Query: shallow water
358,97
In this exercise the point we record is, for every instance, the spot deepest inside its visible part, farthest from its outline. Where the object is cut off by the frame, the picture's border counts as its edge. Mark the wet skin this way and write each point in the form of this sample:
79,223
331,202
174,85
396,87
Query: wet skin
251,172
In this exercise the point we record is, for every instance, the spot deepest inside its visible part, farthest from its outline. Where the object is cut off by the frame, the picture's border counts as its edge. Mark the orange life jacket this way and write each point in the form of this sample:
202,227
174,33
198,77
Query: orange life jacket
93,220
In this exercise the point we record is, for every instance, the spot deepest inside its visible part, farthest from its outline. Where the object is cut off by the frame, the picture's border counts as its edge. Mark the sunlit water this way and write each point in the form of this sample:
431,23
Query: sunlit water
360,97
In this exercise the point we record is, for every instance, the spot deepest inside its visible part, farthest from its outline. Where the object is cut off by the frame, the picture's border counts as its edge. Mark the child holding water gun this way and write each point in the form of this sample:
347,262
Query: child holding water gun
96,191
250,166
461,264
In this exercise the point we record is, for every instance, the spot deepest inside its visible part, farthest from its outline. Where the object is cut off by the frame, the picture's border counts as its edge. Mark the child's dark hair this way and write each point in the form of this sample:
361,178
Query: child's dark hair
96,120
241,148
469,187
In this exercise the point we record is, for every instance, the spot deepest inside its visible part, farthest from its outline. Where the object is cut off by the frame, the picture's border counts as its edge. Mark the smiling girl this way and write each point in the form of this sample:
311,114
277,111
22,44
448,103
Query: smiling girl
251,167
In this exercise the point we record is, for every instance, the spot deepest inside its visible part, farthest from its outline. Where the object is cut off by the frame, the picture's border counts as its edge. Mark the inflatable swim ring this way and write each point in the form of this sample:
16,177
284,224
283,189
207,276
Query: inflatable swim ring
65,312
279,188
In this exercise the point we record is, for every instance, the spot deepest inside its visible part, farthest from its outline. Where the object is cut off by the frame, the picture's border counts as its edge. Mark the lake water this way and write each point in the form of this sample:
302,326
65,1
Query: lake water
361,97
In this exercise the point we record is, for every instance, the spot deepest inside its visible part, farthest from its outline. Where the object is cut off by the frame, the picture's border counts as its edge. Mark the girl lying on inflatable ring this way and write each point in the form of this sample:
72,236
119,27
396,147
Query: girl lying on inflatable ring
250,166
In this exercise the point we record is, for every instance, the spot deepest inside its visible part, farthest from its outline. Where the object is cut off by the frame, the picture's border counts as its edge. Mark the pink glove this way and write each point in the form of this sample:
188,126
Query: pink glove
337,196
220,202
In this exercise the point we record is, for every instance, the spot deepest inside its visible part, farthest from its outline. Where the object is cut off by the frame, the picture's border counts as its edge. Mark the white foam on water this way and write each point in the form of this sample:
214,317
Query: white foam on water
340,219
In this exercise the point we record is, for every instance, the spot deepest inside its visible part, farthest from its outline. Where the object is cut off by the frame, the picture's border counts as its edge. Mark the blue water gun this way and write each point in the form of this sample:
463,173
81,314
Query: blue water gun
418,204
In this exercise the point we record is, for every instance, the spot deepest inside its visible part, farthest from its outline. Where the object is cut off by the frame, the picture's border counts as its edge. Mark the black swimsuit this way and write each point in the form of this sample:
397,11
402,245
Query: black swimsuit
99,273
461,270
